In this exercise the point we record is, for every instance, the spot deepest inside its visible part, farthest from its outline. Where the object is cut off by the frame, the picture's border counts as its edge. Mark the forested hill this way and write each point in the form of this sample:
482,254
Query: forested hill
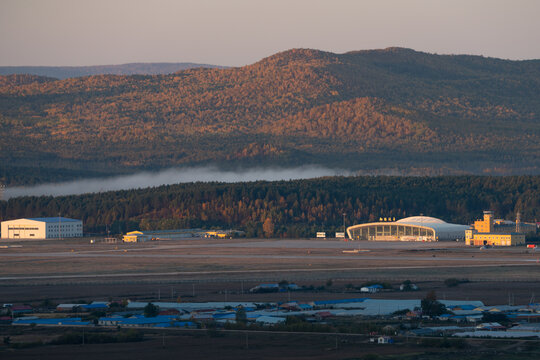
64,72
392,109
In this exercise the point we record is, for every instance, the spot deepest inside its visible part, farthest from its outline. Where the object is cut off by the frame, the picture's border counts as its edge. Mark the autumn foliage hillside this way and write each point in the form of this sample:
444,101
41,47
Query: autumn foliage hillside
392,108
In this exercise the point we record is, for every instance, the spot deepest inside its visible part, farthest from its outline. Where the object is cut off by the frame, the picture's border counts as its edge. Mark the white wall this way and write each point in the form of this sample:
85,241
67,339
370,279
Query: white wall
64,229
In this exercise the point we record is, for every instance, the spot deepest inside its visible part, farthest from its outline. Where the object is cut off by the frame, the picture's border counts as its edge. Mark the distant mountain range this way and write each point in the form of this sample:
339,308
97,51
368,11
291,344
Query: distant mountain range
64,72
395,110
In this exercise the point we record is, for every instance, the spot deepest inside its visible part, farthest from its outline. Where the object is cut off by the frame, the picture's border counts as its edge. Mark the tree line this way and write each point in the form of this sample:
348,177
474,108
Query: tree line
296,208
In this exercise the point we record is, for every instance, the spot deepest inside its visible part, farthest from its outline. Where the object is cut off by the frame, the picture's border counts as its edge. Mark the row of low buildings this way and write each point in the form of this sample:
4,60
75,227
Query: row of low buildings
468,316
488,231
142,236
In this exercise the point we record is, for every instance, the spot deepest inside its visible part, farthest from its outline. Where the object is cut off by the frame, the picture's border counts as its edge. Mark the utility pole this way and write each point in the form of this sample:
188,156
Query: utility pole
344,229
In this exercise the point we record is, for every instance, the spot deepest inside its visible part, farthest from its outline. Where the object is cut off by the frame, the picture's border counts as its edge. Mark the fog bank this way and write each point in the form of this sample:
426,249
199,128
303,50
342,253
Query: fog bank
170,176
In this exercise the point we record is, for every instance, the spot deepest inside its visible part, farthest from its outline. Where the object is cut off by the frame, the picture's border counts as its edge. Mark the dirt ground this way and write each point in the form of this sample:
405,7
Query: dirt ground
219,270
204,344
224,270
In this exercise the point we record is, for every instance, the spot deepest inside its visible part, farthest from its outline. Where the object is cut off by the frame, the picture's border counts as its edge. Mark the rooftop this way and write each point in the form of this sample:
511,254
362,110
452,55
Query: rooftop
421,220
53,219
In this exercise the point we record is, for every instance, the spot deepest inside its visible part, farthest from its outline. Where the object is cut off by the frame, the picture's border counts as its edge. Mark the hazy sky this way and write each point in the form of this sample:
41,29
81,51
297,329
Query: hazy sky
239,32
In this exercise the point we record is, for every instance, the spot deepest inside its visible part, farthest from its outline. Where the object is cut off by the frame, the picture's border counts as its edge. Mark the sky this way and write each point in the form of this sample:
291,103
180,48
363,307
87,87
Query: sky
241,32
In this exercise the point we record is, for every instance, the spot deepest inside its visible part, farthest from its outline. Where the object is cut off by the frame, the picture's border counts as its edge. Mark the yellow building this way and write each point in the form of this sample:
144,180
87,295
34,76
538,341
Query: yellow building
134,236
485,225
483,234
217,234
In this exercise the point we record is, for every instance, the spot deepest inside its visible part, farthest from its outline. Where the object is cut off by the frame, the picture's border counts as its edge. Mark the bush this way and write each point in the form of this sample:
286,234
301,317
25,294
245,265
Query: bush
400,312
451,282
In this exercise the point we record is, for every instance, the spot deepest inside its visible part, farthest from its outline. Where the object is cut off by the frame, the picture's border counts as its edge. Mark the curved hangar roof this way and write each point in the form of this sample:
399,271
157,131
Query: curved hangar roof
442,229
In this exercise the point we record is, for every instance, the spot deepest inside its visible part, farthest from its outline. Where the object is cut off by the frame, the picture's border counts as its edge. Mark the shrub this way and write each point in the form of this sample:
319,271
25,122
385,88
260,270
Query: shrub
451,282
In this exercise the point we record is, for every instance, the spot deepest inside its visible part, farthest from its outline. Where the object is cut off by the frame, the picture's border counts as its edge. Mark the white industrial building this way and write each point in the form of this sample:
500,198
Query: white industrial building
41,228
414,228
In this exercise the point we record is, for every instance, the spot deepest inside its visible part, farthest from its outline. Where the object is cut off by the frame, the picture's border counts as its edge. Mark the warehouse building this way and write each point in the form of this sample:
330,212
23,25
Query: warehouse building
414,228
41,228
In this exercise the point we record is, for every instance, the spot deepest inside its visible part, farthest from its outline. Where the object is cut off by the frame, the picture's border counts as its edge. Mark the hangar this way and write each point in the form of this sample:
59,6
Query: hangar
414,228
41,228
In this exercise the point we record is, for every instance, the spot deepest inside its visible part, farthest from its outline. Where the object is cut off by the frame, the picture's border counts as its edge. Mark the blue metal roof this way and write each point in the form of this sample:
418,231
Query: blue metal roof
60,321
160,319
271,286
230,315
53,219
94,306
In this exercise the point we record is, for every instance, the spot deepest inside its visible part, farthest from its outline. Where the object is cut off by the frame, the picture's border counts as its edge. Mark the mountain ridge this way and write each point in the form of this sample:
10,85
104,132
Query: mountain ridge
64,72
359,110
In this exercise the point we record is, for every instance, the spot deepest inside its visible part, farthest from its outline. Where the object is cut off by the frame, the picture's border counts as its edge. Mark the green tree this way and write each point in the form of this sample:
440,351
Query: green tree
241,316
151,310
430,305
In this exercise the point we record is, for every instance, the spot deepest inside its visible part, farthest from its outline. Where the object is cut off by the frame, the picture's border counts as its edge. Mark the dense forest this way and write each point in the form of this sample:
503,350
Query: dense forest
290,208
392,108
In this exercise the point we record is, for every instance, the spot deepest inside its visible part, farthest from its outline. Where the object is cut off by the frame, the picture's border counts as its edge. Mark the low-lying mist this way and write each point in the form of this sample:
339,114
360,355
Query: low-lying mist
170,176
